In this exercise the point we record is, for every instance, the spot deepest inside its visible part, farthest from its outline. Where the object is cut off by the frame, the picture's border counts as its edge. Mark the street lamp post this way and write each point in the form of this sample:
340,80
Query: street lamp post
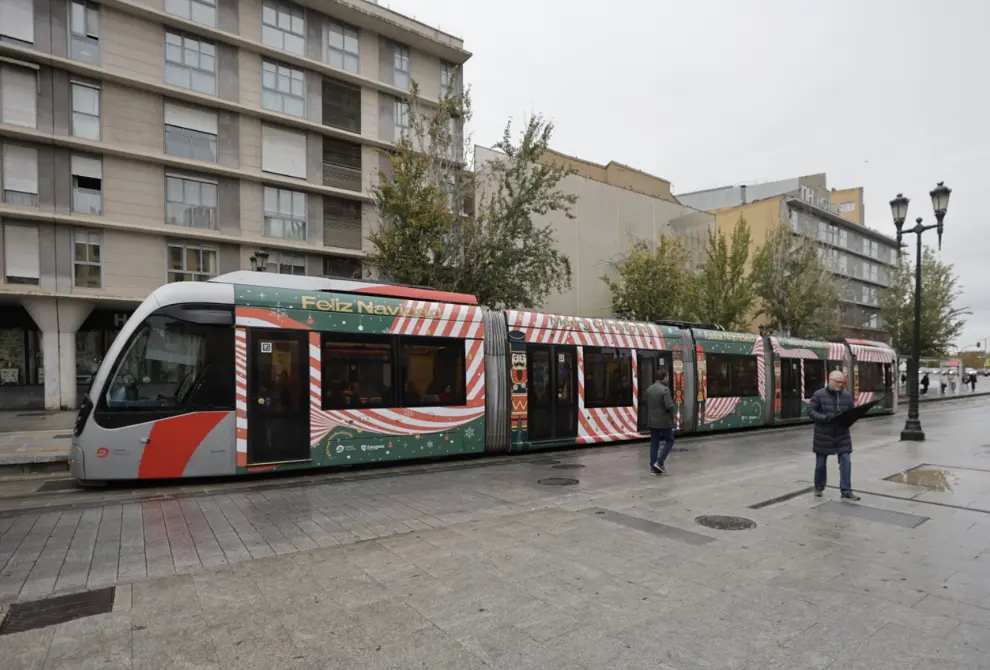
898,208
259,260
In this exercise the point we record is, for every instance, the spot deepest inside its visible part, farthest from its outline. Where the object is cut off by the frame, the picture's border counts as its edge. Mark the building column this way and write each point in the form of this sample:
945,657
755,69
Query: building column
59,320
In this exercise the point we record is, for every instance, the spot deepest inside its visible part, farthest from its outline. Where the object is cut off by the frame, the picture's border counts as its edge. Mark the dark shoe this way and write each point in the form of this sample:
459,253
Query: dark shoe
850,496
818,493
655,471
660,468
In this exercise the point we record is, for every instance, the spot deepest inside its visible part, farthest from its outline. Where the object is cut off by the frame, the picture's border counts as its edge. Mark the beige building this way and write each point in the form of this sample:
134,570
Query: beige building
861,258
616,205
149,141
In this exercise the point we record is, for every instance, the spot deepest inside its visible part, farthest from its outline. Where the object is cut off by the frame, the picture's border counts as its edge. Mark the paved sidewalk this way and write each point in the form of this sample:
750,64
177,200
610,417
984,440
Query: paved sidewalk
485,567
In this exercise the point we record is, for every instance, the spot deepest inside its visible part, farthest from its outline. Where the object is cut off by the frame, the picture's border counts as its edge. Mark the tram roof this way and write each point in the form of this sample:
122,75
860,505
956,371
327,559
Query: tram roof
326,284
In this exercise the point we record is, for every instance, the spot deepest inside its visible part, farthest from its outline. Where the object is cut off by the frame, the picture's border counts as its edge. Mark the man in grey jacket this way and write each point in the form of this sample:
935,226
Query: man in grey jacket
660,418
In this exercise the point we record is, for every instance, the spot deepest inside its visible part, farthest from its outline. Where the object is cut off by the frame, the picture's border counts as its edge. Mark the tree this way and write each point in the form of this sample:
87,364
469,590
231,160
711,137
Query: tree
942,320
494,250
796,293
652,284
723,290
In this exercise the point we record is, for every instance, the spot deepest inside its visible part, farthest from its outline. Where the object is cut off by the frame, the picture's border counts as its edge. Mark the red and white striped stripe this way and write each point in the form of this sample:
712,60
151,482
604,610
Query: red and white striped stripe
717,409
864,397
783,352
605,424
869,354
836,351
315,381
540,328
445,320
240,385
761,373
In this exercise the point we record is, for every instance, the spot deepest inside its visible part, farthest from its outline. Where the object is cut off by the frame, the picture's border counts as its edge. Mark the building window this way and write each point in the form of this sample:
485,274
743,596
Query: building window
357,371
190,133
85,111
84,31
87,185
190,202
343,47
19,176
401,119
843,239
448,82
283,151
190,63
191,263
844,263
87,264
341,105
732,376
283,26
873,321
18,96
431,372
607,377
285,214
345,268
200,11
21,254
400,66
342,223
341,164
17,20
287,263
283,89
847,207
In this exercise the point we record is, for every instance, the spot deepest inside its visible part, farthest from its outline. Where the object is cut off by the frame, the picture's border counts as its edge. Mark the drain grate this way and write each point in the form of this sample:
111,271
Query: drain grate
51,611
719,522
568,466
544,461
58,485
558,481
886,516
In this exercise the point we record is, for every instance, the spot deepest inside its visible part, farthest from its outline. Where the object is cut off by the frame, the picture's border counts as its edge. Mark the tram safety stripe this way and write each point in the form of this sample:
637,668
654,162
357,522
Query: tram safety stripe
173,441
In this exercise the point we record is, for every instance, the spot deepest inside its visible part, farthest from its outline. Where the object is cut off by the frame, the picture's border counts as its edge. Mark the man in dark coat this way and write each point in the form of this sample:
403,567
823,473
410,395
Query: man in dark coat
830,437
660,417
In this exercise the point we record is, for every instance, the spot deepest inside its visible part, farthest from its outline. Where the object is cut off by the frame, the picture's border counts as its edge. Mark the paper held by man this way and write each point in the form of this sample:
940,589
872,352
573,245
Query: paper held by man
851,416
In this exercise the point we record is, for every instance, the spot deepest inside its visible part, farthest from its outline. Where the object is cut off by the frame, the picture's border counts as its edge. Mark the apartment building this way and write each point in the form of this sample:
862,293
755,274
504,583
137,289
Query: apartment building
151,141
616,206
862,258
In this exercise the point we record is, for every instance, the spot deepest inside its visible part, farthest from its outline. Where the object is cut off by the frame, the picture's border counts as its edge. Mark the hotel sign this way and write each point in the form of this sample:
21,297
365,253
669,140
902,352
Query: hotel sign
819,199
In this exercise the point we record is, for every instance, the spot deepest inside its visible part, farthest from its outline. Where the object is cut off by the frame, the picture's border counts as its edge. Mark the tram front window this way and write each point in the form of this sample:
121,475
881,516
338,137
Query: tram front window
173,364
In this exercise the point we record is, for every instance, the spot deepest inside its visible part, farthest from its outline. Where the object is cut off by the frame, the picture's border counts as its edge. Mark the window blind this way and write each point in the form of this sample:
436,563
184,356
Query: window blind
190,118
21,251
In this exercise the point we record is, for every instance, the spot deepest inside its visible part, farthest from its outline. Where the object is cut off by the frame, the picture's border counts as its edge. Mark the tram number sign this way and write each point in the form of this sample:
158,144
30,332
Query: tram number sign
266,347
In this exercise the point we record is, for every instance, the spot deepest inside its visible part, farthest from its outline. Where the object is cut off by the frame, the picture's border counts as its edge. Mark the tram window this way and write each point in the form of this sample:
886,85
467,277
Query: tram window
732,376
357,372
607,377
871,377
431,372
173,364
814,376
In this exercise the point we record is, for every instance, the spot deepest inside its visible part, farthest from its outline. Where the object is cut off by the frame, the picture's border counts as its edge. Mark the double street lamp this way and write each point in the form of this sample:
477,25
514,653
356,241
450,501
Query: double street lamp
898,207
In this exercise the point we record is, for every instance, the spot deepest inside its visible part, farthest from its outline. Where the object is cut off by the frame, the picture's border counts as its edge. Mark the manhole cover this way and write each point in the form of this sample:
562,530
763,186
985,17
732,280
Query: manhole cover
558,481
544,461
568,466
58,485
726,522
51,611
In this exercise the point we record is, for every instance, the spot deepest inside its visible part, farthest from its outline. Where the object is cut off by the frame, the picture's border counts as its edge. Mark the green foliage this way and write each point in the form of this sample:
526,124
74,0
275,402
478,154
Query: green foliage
941,320
653,284
723,290
496,252
796,293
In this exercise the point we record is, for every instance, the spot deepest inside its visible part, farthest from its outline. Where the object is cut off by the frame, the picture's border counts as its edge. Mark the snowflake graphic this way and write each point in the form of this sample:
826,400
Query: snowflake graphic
469,432
429,444
280,309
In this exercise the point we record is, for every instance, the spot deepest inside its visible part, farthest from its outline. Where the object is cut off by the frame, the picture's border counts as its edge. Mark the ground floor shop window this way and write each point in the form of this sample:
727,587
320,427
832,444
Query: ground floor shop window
20,357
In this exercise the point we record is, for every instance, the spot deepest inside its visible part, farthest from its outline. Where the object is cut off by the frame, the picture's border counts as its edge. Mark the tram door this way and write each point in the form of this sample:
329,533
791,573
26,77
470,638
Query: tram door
553,402
278,396
790,388
650,363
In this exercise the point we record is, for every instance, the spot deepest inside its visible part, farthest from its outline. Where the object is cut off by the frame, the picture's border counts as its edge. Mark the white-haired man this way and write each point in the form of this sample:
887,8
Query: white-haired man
831,437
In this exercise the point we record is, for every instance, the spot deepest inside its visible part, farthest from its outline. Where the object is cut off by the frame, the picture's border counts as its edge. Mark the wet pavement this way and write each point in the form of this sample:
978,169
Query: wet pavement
479,565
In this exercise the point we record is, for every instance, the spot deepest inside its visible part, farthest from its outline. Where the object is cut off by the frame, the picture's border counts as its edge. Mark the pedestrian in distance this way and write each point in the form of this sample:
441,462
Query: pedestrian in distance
661,409
831,437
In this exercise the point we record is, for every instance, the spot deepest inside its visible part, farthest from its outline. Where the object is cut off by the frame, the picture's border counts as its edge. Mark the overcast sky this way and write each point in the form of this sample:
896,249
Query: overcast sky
891,95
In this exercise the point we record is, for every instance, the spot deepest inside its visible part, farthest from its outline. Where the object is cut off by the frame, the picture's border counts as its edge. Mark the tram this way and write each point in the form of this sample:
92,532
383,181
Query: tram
251,372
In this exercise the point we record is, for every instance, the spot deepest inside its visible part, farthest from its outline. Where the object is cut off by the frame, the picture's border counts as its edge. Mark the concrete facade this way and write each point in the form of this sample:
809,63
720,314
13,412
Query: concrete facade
105,91
616,206
861,258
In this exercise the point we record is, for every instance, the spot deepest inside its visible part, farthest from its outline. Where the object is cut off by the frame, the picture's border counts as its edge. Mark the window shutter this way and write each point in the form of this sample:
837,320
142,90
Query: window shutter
342,223
17,19
19,95
341,164
341,105
20,168
190,118
21,253
283,152
87,167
